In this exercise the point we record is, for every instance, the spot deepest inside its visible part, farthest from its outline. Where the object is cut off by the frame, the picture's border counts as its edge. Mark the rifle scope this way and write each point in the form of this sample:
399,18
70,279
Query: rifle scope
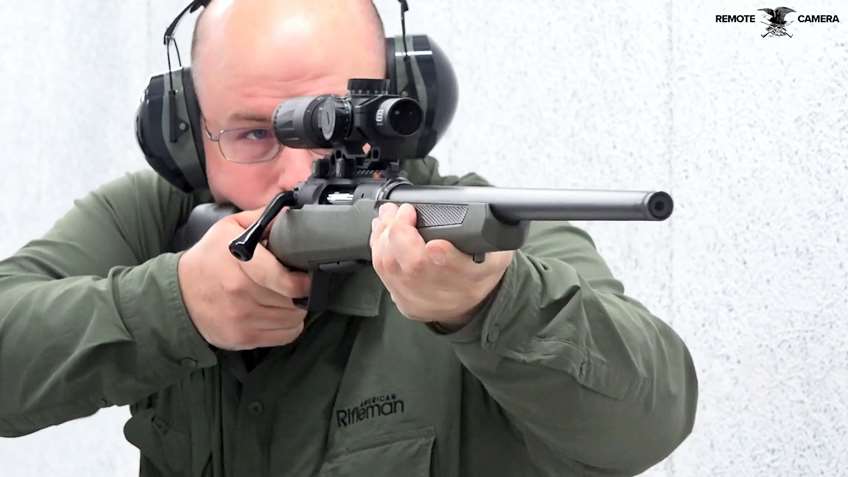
368,114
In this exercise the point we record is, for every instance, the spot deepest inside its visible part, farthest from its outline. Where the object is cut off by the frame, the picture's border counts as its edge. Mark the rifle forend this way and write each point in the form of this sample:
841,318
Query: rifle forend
335,234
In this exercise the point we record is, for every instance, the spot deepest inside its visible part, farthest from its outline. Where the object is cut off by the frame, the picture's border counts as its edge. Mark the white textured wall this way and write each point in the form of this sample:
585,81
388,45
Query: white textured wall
748,134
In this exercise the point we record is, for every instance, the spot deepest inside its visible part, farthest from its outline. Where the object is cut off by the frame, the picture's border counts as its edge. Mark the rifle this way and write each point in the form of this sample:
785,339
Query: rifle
327,226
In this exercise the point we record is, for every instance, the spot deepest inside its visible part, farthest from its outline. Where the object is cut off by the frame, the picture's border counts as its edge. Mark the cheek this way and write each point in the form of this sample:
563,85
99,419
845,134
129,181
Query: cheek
252,186
295,167
246,186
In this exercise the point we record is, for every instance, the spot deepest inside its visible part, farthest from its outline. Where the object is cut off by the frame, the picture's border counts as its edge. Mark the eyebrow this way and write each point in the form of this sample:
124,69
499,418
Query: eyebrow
246,116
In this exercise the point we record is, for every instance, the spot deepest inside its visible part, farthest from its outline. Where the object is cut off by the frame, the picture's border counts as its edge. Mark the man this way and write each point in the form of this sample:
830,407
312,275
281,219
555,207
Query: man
539,365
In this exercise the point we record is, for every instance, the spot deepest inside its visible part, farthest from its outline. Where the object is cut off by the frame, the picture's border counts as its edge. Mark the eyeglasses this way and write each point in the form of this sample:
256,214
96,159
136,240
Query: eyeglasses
245,145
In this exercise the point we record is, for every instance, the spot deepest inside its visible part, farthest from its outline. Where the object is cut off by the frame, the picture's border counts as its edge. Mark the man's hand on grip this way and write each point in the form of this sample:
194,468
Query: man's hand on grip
240,305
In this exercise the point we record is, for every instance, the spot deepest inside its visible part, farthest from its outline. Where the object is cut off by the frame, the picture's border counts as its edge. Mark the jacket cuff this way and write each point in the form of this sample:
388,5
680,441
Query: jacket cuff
155,314
485,325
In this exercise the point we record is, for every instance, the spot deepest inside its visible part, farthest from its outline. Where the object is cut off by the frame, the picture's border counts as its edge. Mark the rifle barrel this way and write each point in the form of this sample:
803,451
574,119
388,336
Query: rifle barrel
515,205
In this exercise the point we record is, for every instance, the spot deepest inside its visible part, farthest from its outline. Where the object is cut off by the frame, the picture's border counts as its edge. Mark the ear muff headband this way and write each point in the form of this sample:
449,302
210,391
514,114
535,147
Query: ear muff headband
168,124
186,149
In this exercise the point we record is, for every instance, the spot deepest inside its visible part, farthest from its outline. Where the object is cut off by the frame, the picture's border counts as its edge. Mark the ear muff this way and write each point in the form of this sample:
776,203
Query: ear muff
168,130
422,71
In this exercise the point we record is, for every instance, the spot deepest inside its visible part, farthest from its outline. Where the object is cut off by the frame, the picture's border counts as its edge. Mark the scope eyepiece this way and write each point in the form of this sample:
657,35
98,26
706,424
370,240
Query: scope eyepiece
398,117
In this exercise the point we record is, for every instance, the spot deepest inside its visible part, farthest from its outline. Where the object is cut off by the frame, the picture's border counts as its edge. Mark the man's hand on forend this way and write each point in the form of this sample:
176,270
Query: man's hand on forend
430,281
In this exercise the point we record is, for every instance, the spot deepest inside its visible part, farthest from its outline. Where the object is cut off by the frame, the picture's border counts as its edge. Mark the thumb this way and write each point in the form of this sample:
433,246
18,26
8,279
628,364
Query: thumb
246,218
442,252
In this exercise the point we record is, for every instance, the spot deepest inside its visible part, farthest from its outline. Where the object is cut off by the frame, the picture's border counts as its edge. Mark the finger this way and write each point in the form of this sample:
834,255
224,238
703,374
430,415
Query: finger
261,296
387,211
381,260
247,218
385,262
401,248
406,246
266,271
406,214
377,227
282,336
274,318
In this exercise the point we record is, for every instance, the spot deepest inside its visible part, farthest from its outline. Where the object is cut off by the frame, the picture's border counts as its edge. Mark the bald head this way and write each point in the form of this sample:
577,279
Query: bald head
249,56
338,18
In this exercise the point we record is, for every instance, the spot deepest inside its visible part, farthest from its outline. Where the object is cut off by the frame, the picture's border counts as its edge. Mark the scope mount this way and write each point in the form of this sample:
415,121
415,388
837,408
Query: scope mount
350,161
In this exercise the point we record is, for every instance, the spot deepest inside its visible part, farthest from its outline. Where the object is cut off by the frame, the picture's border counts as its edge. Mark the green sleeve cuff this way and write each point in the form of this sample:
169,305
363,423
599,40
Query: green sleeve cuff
196,346
485,325
155,314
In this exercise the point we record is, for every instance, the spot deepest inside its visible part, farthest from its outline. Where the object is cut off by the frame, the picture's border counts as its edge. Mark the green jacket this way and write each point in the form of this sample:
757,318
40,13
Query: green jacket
560,373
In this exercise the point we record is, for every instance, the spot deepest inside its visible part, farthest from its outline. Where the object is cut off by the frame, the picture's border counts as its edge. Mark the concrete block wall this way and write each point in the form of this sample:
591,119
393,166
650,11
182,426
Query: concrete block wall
748,134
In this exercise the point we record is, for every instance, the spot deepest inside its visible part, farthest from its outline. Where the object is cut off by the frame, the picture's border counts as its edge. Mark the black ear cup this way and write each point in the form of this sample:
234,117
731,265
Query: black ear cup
193,114
168,130
423,72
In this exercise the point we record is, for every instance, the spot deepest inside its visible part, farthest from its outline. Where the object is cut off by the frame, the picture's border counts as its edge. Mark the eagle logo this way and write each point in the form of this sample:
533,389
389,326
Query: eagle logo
776,25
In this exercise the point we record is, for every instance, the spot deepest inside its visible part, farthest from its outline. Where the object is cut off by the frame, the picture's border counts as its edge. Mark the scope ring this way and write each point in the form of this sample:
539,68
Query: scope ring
388,187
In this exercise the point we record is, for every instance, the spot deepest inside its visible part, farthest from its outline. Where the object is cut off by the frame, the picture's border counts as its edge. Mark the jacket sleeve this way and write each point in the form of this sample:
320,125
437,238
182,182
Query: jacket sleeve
585,373
91,314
